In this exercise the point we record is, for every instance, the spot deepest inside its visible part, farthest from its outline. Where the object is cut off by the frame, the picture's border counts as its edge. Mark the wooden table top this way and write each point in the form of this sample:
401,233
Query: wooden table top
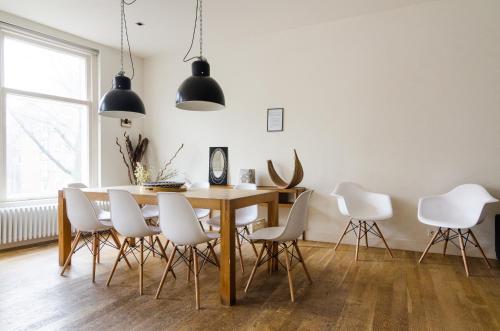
215,193
197,197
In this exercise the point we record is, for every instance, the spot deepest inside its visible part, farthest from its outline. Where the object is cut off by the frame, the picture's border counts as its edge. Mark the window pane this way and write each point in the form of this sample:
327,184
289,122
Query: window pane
46,146
35,68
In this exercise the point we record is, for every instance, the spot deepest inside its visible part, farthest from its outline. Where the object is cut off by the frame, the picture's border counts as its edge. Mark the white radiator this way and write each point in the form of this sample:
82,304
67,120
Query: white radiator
28,224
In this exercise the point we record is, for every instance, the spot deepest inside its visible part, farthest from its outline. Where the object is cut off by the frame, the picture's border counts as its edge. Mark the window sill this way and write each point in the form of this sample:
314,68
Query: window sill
26,203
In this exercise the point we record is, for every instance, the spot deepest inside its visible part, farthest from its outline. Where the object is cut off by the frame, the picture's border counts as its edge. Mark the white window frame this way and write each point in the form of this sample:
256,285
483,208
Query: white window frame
91,101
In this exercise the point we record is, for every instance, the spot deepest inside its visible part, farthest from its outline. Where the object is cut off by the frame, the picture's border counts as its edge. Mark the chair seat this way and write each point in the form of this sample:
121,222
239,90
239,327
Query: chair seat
370,215
105,225
103,215
150,211
452,219
270,233
212,234
153,230
240,221
201,212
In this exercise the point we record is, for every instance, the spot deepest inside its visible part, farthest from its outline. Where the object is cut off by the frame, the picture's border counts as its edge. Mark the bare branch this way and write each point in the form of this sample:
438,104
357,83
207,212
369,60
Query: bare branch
161,174
41,147
129,171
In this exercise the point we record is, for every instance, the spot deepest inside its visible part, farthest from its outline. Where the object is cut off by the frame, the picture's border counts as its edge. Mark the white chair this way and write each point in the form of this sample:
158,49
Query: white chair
129,221
101,213
286,236
93,230
362,207
179,223
201,213
243,218
148,211
458,210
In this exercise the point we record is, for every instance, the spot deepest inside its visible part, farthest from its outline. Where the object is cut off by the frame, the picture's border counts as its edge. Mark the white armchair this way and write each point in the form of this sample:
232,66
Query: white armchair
453,212
364,207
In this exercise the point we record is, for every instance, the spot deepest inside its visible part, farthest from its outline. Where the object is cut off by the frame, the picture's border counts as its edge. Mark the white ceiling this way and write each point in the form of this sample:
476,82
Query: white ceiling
168,23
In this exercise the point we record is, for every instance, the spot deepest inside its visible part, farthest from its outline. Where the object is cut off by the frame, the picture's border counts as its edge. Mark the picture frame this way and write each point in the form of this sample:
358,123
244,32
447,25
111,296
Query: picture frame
275,119
218,165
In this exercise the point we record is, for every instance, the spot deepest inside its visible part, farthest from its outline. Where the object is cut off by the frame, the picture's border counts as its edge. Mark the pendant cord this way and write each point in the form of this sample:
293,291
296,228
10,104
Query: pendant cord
122,29
199,7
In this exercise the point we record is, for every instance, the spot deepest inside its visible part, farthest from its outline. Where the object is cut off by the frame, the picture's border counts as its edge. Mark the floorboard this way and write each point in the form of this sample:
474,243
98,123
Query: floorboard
375,293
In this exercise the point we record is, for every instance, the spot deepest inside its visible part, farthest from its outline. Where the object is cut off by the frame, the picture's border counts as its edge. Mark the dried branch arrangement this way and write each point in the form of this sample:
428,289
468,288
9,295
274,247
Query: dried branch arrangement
134,154
167,173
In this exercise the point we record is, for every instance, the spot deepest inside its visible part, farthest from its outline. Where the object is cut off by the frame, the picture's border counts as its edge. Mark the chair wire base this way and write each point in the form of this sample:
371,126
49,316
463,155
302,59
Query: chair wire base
137,251
361,230
94,242
290,256
450,235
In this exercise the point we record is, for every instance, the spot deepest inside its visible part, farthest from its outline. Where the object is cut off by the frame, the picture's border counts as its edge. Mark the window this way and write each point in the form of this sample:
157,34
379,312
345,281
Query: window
47,105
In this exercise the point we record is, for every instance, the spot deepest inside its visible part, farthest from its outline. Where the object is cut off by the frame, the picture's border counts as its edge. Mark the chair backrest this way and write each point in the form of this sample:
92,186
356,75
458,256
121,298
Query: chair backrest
77,185
353,199
80,211
199,185
470,199
250,212
178,220
297,218
126,214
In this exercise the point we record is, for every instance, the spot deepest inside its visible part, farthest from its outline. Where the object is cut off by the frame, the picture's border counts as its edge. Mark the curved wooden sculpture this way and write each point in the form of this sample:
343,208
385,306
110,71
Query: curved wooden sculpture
298,174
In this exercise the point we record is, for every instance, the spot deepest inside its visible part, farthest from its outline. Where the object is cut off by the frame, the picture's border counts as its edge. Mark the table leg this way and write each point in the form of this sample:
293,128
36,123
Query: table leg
273,220
227,288
64,229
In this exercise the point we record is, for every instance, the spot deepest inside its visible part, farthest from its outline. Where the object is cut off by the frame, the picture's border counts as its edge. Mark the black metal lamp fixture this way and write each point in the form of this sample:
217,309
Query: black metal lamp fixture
200,92
121,101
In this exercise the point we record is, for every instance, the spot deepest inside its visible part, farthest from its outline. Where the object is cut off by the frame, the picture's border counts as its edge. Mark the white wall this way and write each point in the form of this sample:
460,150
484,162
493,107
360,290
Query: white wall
403,101
112,170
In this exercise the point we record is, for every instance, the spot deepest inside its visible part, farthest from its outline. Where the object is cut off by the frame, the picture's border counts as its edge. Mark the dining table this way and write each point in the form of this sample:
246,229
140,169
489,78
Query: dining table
225,200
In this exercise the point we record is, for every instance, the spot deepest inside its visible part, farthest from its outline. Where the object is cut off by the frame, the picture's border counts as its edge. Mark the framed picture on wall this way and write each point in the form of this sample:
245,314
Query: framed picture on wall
275,119
217,165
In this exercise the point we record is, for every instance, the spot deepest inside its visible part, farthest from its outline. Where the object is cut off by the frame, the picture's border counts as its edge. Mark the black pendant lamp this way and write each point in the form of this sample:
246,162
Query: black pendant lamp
121,101
200,92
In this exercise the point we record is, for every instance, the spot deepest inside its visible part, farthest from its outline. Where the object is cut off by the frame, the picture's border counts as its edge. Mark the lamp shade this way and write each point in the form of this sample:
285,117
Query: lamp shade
121,101
200,92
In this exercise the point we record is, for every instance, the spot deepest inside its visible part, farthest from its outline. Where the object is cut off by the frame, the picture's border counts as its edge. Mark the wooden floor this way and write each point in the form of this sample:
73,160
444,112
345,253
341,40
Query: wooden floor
375,293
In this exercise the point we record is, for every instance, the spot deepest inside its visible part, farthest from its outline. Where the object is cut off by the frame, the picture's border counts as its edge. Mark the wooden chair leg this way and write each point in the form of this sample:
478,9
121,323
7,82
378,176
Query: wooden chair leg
383,239
95,249
141,265
446,238
165,272
122,251
190,265
462,248
98,247
431,242
114,236
251,242
164,254
252,274
152,242
480,248
196,280
342,236
302,261
166,245
212,251
73,247
366,233
238,245
357,242
290,282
